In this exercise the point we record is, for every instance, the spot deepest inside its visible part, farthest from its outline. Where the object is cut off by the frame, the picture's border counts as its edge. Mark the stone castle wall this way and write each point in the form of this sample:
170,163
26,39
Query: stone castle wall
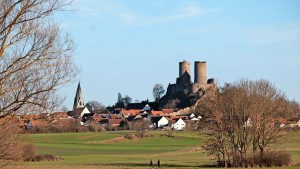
184,83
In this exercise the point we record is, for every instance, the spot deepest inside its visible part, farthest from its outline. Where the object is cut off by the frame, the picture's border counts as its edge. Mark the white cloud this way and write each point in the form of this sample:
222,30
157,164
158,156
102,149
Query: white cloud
94,8
182,13
121,11
192,11
127,17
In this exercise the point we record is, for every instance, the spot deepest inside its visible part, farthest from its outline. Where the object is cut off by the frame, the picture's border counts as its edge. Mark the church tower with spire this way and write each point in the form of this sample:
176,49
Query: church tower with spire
78,101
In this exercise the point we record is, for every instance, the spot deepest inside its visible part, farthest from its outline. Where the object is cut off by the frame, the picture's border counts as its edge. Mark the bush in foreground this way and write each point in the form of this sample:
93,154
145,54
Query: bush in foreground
15,147
273,159
45,157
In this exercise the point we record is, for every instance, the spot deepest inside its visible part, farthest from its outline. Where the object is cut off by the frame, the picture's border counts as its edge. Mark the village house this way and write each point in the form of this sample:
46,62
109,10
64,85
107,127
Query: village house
192,116
97,117
156,113
41,124
292,123
131,112
280,122
115,116
22,123
103,122
147,108
196,119
167,111
178,125
159,121
60,115
114,122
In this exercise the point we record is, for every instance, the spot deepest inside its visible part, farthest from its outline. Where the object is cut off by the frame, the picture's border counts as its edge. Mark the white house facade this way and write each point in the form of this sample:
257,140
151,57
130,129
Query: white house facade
162,122
179,125
84,111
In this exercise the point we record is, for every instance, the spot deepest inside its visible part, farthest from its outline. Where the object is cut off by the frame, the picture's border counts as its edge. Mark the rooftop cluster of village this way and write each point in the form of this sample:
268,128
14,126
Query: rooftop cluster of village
135,114
118,119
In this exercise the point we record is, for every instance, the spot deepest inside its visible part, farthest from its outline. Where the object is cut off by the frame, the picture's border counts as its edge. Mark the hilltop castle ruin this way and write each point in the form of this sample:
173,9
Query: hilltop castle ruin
184,81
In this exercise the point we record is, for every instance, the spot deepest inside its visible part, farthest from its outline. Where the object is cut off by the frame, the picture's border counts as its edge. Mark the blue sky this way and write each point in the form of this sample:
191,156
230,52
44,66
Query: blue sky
127,46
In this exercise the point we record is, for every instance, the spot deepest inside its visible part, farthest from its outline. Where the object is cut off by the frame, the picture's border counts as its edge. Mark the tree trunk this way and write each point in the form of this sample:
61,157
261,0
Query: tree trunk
261,156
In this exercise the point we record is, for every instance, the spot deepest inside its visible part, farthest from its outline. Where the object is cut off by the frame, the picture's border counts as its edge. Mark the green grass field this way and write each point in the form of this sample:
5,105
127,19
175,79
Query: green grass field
111,150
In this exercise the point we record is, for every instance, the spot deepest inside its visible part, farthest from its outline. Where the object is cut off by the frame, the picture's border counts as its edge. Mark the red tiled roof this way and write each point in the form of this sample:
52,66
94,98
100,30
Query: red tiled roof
167,111
31,116
115,121
173,121
176,117
59,112
60,115
157,113
22,123
96,117
130,112
114,116
281,120
179,117
38,122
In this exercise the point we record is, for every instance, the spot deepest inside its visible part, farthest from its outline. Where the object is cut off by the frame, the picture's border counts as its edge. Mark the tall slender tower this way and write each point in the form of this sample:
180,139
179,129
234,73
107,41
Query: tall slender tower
200,73
78,101
184,67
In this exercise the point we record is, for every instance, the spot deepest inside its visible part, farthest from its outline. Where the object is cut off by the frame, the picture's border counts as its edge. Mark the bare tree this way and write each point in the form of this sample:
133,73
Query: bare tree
123,101
35,55
126,100
141,126
241,118
96,107
158,91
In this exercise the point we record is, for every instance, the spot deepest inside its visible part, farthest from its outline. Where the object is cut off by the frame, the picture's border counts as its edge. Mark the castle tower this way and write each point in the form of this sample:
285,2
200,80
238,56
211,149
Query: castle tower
184,67
200,72
78,101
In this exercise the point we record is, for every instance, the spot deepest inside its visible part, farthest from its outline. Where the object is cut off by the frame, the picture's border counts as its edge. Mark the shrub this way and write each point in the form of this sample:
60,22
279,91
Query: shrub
46,157
276,159
271,159
15,147
82,129
129,136
28,152
95,128
110,128
11,147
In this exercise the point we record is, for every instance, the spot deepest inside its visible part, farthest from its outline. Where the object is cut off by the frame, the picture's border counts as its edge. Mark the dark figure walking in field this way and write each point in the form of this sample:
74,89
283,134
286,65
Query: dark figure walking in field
158,163
151,164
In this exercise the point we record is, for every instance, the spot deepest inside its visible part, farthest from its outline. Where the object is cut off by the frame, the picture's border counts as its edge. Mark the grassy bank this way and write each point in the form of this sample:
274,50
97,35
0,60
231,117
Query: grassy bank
112,150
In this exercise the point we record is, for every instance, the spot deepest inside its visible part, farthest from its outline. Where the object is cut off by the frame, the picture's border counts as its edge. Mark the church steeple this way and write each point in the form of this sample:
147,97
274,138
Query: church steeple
78,101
